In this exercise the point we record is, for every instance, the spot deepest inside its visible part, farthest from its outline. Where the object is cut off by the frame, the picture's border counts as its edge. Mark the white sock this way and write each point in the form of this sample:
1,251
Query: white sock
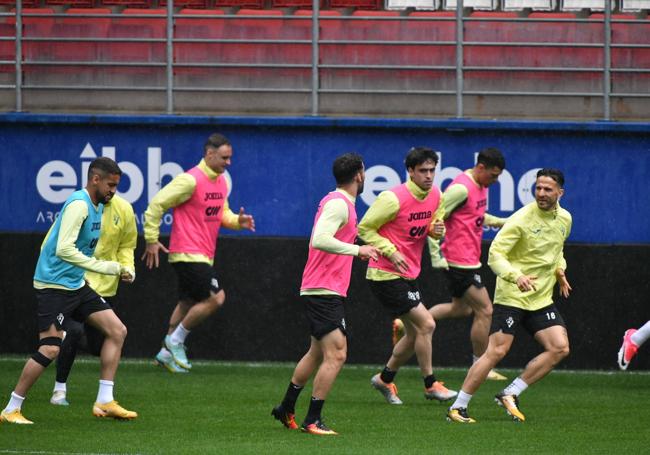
164,352
179,334
60,387
105,393
15,402
641,335
462,400
516,387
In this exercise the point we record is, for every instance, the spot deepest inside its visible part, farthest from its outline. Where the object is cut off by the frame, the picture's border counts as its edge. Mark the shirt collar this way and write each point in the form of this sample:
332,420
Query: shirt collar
347,195
209,172
416,190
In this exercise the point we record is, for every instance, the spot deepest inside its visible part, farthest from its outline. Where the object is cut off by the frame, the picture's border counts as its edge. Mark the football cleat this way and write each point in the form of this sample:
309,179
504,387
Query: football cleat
286,418
398,330
317,428
459,415
389,391
511,404
627,351
494,375
165,359
14,417
177,351
58,398
439,392
114,410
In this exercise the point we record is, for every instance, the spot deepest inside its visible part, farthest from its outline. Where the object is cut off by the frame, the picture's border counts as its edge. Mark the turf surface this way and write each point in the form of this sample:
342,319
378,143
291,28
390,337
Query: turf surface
225,408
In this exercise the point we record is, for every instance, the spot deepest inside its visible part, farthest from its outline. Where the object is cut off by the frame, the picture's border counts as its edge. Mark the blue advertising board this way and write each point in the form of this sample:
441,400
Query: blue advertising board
282,167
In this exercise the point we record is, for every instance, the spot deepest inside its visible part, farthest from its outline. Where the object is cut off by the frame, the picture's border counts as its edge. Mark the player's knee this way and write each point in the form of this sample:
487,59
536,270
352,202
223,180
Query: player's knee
117,332
217,300
496,353
338,356
560,351
427,326
48,349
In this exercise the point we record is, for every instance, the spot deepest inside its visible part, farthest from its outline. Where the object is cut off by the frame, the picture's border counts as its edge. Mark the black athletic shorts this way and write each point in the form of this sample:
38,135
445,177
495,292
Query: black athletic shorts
55,305
398,296
196,280
459,280
325,313
506,319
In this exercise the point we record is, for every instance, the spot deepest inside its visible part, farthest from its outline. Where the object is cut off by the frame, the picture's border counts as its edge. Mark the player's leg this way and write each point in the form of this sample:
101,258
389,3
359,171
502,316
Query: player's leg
505,321
451,310
334,349
101,316
48,348
476,297
197,283
74,332
548,328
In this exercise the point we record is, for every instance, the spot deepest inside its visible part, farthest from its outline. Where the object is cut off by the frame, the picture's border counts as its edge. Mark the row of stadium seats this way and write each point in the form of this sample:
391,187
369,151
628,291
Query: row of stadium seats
416,49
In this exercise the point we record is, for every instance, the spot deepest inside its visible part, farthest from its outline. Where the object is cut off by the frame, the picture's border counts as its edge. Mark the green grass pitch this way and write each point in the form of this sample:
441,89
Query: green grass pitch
225,408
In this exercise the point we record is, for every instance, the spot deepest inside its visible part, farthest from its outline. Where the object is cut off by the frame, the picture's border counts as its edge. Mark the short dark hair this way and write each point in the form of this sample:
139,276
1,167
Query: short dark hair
555,174
215,141
491,157
419,155
103,166
346,166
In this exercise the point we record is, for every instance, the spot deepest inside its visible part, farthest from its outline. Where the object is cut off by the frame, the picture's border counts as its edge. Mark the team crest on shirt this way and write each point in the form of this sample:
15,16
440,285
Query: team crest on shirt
116,219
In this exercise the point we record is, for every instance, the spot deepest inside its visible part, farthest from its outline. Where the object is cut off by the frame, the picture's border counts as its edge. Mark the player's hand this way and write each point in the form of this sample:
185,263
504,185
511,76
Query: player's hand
246,221
563,283
127,274
368,252
437,229
526,283
399,262
150,255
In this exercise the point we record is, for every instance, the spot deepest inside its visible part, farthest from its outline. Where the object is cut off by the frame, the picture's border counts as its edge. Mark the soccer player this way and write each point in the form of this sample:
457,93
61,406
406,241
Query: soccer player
62,293
527,257
325,283
117,241
398,223
199,197
632,341
465,203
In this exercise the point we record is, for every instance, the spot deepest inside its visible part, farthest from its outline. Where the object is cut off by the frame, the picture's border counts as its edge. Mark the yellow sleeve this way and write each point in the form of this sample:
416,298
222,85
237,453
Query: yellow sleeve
502,244
173,194
453,197
229,219
128,240
71,220
333,216
383,210
491,220
439,215
562,262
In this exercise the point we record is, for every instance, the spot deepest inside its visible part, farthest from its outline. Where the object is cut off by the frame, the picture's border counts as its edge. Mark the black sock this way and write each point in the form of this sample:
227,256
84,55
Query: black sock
428,381
387,375
290,398
315,408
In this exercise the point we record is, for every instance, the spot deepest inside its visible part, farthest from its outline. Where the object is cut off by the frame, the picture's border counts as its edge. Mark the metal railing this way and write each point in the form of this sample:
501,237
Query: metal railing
316,66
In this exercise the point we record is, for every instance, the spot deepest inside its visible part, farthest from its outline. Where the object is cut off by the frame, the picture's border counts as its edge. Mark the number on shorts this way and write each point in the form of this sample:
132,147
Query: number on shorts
550,315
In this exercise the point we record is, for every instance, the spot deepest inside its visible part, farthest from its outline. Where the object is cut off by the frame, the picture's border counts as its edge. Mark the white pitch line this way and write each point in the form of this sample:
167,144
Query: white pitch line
46,452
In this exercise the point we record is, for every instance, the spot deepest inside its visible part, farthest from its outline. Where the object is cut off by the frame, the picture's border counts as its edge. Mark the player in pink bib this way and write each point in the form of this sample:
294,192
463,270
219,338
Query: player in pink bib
465,203
324,287
398,224
199,198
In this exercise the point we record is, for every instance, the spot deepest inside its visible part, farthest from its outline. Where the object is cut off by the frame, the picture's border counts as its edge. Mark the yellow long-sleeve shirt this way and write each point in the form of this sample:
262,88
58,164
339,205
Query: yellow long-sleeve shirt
530,243
179,190
118,238
382,211
453,197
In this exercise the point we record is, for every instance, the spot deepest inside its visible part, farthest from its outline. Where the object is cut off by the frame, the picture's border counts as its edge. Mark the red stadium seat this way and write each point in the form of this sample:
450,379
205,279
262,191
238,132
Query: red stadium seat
430,33
363,27
72,3
35,27
193,25
362,4
126,27
264,25
196,4
249,4
128,3
7,47
295,3
301,29
80,27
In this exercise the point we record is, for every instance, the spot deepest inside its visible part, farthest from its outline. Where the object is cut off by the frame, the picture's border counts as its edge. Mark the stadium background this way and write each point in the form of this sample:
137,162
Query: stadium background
281,163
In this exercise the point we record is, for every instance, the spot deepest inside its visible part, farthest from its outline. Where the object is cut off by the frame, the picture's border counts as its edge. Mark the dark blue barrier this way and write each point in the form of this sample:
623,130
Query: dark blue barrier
281,166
